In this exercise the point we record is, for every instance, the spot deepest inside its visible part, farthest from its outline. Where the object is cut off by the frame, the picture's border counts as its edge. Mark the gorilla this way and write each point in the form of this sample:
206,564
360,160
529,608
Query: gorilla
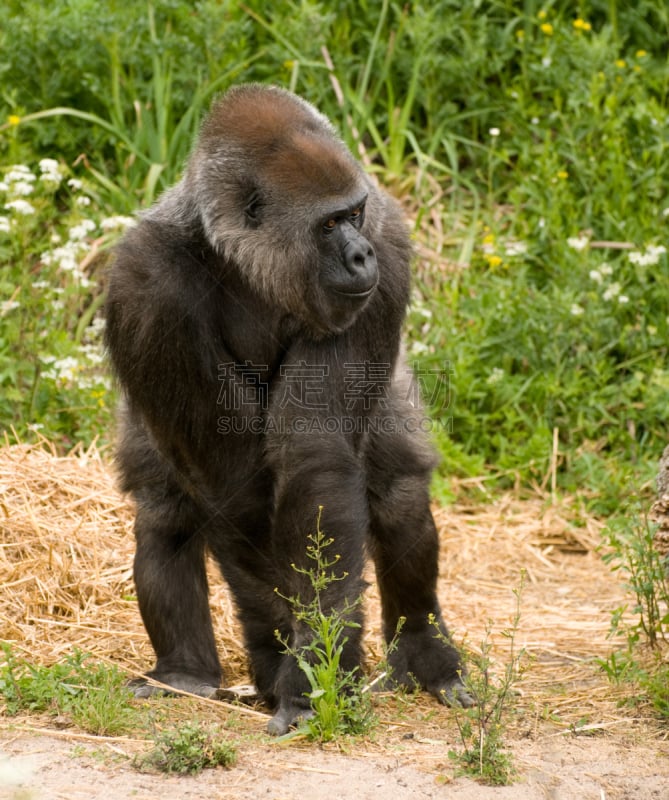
253,323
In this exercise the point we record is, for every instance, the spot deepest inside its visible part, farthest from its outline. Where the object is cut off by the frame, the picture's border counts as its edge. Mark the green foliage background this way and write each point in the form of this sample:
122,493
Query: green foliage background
534,135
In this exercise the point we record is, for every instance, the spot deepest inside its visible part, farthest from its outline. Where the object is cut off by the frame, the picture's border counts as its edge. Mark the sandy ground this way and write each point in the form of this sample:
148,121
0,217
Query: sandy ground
66,580
40,767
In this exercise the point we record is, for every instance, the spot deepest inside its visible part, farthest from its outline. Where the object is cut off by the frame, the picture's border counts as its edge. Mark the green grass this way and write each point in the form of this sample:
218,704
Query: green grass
91,695
534,135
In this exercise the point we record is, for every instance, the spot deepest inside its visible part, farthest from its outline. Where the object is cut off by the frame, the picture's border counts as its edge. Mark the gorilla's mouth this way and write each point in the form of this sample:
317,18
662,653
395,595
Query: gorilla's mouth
363,295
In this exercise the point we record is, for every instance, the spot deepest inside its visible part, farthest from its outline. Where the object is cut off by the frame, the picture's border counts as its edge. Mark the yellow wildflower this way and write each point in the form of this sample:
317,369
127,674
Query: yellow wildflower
547,28
489,238
542,15
621,63
493,261
641,53
13,119
563,174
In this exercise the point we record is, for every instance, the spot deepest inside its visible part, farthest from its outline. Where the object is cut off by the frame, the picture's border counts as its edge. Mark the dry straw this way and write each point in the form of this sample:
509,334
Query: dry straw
66,550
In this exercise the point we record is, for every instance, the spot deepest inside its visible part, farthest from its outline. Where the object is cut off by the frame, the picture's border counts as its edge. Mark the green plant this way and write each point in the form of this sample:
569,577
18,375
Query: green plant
642,662
188,749
632,554
481,727
340,702
94,696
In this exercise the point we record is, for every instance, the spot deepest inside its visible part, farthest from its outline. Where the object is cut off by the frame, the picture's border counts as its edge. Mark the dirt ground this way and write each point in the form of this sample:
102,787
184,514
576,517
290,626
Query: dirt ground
66,580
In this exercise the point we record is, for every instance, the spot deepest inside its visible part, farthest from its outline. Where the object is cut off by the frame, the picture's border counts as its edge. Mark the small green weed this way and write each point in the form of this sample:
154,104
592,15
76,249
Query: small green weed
189,749
93,696
633,555
340,703
481,727
642,662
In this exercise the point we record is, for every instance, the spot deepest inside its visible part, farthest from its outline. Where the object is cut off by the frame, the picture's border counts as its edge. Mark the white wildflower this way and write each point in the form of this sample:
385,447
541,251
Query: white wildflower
546,62
494,132
612,291
94,331
83,201
75,184
62,370
576,310
21,188
20,207
513,248
93,353
578,242
623,298
19,173
650,257
4,224
66,257
49,165
7,306
41,285
665,212
51,180
596,276
82,230
606,269
418,348
3,187
110,223
495,376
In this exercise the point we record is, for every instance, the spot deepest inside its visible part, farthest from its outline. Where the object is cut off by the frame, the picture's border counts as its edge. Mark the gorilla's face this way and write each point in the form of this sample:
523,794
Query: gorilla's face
347,273
287,204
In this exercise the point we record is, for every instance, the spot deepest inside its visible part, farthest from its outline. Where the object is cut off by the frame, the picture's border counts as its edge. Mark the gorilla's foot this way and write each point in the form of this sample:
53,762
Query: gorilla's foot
423,660
172,683
453,693
289,714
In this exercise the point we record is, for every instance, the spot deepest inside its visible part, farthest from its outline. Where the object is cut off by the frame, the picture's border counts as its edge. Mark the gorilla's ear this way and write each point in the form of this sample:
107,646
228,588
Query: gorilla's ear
253,209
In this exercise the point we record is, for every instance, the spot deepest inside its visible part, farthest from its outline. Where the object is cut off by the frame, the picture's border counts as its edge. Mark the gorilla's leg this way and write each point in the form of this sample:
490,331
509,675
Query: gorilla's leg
253,579
317,471
172,591
405,548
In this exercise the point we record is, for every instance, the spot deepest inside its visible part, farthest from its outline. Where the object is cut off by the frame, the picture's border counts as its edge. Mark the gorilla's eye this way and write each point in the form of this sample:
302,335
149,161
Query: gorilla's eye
252,209
356,216
330,225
